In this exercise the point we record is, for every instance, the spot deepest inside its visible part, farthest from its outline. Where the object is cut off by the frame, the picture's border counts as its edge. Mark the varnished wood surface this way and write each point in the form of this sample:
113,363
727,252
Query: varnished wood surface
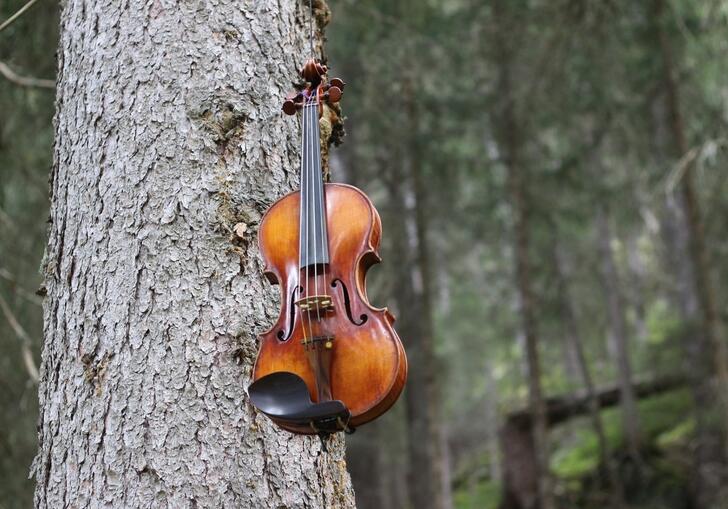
368,366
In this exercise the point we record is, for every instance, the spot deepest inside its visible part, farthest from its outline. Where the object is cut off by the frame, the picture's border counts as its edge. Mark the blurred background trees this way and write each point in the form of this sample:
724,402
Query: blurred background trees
27,49
553,187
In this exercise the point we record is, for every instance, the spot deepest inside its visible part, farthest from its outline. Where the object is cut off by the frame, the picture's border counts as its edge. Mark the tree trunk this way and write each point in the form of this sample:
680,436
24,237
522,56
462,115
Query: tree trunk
412,294
510,140
168,135
422,477
709,462
608,473
636,287
491,424
517,195
423,293
693,219
618,332
710,384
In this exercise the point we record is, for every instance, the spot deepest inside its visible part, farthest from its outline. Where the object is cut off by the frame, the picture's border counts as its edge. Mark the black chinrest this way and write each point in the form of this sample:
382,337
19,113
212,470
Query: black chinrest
284,396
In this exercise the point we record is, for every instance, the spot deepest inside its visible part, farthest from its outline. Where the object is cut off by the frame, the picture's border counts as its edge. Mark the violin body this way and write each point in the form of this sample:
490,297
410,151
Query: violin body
346,350
332,361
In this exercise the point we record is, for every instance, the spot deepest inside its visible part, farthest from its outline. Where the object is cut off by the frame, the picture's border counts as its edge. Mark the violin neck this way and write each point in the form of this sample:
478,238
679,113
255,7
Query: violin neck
314,244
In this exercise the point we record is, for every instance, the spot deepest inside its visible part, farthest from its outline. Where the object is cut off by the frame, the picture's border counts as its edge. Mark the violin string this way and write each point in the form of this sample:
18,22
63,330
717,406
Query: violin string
301,235
322,212
312,140
304,221
307,185
314,187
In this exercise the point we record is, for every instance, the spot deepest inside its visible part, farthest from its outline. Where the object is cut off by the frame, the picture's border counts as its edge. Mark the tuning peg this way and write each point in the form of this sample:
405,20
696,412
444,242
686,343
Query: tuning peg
333,94
292,103
289,107
338,83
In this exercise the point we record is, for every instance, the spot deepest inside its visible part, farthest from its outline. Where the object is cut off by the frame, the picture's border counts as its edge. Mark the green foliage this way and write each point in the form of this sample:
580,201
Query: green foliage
580,457
678,436
482,495
663,425
668,429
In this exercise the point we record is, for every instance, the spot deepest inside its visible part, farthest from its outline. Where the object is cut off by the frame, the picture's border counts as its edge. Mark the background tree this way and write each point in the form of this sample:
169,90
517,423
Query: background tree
26,135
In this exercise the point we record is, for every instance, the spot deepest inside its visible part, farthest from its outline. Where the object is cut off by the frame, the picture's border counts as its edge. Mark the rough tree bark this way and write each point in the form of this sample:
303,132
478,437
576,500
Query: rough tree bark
169,146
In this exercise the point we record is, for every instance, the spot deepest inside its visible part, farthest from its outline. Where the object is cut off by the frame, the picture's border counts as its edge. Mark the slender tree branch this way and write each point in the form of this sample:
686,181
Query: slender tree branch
15,16
25,81
25,340
674,177
677,174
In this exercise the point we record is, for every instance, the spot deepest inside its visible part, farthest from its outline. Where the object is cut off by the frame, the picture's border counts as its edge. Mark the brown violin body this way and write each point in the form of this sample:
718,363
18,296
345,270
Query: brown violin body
342,347
332,361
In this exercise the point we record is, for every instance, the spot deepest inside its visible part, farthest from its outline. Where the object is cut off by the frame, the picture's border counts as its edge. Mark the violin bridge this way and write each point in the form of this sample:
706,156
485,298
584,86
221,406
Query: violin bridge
315,303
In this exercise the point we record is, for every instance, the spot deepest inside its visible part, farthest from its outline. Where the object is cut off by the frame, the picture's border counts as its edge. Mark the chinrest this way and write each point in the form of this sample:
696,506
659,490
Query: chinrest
284,397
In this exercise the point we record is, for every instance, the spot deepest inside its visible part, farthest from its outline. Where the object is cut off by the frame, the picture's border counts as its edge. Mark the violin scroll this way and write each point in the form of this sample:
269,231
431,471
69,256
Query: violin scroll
314,73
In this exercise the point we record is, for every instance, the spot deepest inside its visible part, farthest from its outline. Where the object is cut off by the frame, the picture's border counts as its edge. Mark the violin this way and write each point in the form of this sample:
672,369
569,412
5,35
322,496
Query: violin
332,361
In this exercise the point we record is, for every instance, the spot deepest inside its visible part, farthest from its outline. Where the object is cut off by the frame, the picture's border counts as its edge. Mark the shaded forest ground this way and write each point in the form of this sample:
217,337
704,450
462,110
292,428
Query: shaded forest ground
662,481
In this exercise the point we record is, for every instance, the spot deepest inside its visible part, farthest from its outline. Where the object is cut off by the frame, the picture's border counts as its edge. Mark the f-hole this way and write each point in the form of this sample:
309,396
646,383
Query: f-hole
347,302
282,334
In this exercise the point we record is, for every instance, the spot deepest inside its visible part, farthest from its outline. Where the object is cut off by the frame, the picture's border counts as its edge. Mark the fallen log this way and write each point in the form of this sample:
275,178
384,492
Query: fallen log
520,482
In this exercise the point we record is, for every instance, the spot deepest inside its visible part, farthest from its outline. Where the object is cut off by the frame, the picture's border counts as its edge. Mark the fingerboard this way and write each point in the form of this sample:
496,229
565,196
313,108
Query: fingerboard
314,242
